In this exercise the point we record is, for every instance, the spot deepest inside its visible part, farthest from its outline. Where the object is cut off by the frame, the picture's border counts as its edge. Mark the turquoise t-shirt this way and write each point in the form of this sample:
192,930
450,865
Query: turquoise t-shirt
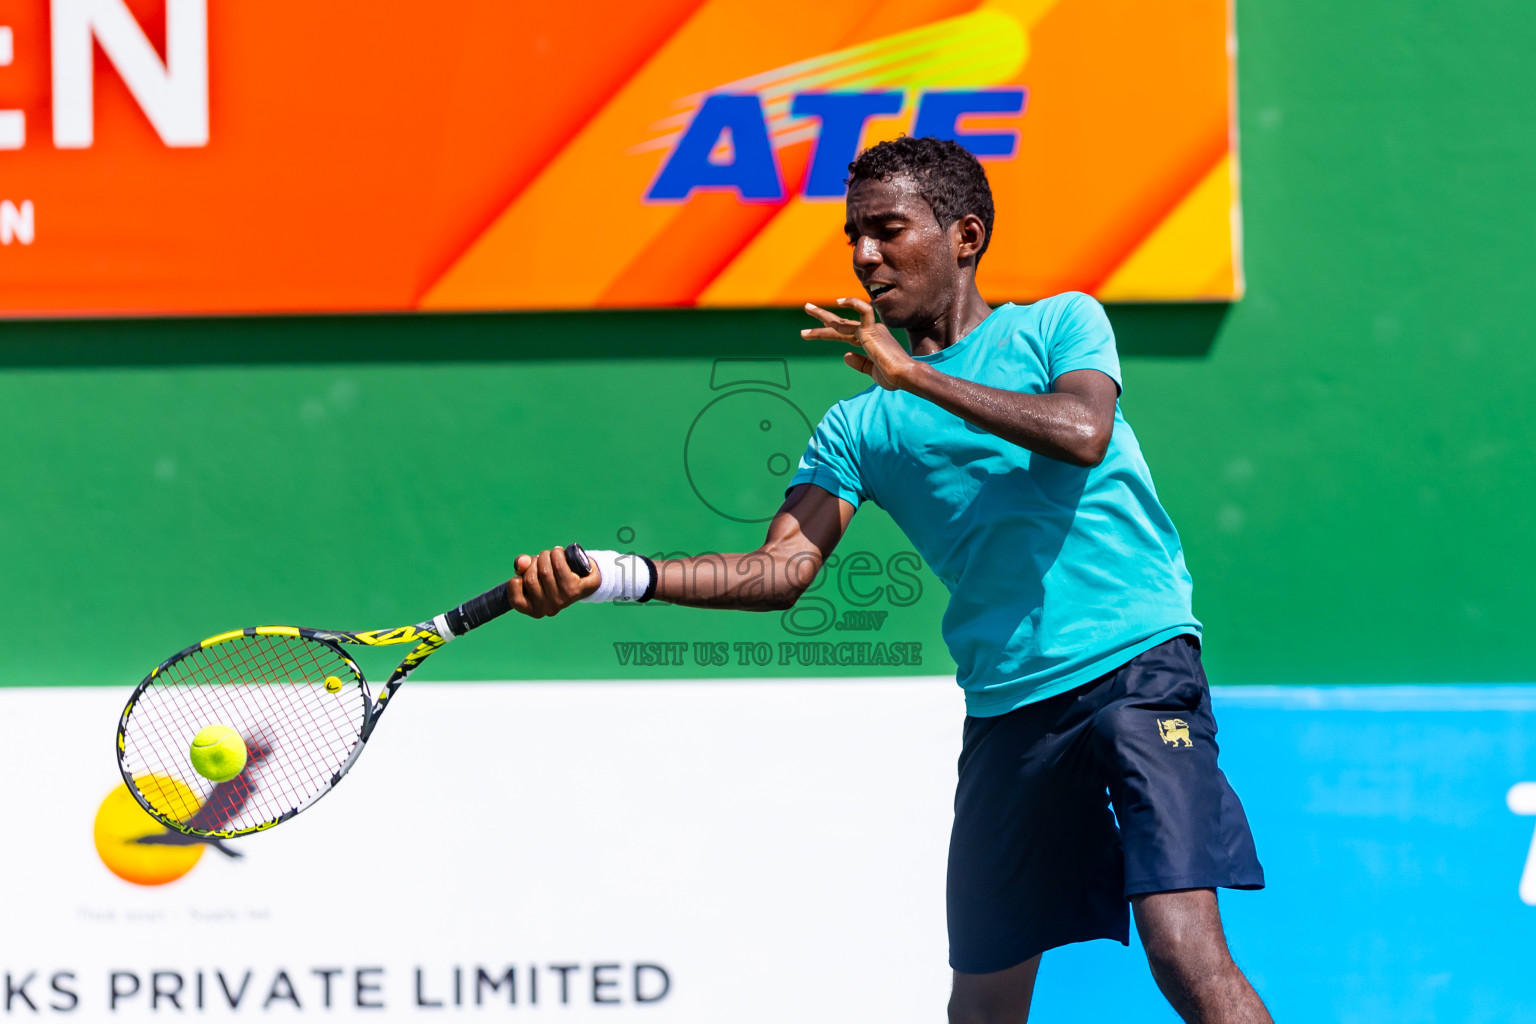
1057,574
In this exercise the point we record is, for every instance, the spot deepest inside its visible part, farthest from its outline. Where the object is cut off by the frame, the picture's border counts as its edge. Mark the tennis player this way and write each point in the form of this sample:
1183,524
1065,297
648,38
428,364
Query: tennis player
998,446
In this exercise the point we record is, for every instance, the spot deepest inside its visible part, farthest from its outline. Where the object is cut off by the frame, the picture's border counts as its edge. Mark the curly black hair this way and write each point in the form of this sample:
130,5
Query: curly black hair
947,175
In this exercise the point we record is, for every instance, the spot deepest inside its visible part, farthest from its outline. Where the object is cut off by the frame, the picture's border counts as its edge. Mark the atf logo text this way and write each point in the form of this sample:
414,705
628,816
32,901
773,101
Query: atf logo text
728,145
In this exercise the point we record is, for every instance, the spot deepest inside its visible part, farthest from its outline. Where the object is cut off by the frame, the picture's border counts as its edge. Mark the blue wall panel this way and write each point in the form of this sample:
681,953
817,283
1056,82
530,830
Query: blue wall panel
1392,855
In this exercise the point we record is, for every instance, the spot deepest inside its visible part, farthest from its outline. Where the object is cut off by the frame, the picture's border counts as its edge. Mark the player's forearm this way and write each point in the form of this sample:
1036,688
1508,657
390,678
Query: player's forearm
1057,425
760,580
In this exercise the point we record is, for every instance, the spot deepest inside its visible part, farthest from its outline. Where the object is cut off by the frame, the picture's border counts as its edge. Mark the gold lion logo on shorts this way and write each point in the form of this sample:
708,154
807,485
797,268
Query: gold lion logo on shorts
1174,731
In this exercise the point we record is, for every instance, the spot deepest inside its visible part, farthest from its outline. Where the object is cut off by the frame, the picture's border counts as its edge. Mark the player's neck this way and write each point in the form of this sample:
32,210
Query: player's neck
961,317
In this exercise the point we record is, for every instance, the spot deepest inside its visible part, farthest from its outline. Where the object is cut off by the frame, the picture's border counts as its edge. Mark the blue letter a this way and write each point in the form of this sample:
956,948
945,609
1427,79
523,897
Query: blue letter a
752,173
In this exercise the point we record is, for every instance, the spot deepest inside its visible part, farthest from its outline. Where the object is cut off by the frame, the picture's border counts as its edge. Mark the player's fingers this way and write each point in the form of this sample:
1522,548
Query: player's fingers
523,562
533,588
833,334
866,311
570,585
830,318
549,587
523,601
556,597
858,361
520,600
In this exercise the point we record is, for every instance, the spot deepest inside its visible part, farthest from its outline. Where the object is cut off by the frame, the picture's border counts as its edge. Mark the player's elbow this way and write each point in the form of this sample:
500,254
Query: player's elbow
1087,447
782,602
774,599
783,597
792,574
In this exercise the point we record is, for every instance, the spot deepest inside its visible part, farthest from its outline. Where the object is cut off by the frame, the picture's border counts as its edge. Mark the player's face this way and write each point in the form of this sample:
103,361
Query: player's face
903,257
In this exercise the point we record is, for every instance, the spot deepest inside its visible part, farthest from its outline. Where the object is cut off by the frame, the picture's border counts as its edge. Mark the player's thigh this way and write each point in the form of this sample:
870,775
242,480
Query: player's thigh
1181,824
1034,858
1001,997
1182,925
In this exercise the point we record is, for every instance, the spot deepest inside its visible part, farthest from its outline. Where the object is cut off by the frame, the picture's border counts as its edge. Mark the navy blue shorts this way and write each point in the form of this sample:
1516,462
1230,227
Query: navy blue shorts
1036,859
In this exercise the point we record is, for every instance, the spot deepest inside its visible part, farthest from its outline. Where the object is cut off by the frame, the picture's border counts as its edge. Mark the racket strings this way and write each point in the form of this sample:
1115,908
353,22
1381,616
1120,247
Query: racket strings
271,690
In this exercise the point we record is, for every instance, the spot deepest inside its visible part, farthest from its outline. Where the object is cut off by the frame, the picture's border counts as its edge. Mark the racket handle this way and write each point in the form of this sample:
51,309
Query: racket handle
478,611
577,559
498,600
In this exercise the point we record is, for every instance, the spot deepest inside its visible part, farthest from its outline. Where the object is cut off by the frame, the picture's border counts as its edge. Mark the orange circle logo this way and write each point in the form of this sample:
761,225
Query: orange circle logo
136,847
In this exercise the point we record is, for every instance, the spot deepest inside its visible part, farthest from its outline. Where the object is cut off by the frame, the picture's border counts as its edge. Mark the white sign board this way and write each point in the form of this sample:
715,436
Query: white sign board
666,852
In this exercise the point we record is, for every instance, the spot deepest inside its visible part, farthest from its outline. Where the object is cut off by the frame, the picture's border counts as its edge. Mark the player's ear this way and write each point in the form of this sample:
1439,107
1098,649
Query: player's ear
970,236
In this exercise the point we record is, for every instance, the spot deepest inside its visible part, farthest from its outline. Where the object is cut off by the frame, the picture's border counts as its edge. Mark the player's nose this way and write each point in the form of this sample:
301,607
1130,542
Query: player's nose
866,252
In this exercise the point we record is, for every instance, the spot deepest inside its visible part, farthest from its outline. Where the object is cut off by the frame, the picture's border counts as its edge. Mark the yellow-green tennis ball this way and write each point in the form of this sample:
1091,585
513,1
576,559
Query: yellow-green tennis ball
218,753
332,684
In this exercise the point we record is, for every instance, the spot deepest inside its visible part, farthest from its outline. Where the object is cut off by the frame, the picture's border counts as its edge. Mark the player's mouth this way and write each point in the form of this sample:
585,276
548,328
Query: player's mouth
877,289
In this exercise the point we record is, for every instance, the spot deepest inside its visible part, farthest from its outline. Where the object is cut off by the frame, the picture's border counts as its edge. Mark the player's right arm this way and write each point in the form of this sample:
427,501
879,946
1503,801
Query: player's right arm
801,536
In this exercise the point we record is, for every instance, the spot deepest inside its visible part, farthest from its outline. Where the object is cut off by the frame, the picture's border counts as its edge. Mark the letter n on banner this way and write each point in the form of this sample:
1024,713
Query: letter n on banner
173,95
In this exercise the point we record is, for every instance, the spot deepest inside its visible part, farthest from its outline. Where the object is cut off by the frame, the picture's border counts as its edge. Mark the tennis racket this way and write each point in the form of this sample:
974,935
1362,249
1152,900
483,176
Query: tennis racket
298,701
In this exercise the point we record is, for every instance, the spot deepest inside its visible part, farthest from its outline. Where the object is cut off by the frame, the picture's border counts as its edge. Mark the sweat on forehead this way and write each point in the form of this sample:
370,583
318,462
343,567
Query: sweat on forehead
947,176
875,197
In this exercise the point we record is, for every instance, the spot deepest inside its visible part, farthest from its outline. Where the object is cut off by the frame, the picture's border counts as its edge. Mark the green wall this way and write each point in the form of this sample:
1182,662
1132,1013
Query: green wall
1347,451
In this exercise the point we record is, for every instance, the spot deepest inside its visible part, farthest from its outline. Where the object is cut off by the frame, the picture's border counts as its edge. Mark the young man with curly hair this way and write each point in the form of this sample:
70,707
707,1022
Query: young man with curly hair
1088,780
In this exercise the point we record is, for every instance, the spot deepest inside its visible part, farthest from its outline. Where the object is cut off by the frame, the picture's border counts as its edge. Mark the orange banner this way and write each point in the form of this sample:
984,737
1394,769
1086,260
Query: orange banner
181,156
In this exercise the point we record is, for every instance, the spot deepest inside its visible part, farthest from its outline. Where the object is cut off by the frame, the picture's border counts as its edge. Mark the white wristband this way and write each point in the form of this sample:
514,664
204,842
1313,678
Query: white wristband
623,577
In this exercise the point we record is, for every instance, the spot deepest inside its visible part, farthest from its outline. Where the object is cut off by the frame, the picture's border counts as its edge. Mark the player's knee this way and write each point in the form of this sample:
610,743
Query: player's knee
965,1010
999,998
1187,960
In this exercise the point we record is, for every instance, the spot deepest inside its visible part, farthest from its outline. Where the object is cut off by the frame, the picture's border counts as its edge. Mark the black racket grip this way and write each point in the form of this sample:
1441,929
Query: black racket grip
498,600
477,612
577,559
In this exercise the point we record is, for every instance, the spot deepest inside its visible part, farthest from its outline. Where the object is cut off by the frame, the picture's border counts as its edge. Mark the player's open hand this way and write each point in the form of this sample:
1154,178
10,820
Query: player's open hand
882,358
545,585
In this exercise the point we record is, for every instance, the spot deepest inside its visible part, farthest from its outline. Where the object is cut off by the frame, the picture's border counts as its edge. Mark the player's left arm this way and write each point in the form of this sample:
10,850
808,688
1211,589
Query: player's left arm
1071,423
